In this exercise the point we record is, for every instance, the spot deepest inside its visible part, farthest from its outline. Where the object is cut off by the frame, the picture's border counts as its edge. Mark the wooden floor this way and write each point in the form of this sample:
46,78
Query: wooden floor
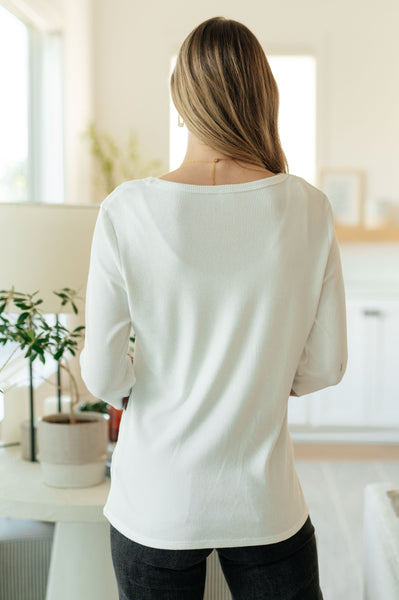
333,479
304,451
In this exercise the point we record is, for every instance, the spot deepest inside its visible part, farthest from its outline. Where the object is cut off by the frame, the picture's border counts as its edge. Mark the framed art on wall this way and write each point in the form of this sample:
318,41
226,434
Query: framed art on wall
345,190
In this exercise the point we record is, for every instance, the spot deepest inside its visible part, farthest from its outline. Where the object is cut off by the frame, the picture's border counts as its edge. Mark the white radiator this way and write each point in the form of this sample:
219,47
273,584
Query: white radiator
215,586
25,550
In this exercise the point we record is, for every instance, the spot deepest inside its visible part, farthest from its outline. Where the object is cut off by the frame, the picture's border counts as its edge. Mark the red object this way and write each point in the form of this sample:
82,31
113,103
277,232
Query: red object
115,416
113,423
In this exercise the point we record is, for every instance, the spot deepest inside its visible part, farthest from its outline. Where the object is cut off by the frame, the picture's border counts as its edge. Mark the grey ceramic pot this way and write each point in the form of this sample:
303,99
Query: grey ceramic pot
73,455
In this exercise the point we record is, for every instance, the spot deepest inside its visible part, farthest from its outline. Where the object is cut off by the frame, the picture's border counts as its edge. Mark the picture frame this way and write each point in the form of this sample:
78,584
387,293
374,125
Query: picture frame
345,191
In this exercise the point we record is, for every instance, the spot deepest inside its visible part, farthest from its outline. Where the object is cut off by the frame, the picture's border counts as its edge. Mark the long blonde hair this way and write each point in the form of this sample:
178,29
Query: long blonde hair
224,89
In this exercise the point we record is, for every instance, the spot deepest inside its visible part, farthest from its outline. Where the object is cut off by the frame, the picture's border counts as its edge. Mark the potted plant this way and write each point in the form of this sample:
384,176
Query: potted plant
115,164
31,331
72,447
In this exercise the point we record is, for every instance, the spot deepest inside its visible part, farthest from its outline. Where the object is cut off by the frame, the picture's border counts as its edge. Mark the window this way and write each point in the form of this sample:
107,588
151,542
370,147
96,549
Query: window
296,80
31,141
14,81
178,135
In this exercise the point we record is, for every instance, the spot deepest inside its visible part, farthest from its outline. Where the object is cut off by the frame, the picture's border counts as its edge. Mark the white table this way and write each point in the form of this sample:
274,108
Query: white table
81,564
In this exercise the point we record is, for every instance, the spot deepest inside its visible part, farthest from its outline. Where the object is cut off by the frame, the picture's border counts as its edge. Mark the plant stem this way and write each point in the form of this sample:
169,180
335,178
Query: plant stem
8,359
74,387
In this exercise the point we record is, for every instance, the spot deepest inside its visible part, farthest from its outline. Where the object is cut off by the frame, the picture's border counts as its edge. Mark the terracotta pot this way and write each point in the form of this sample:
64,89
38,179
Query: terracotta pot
73,455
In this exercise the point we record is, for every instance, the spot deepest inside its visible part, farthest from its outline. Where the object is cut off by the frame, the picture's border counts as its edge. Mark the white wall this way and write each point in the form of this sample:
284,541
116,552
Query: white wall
77,28
356,45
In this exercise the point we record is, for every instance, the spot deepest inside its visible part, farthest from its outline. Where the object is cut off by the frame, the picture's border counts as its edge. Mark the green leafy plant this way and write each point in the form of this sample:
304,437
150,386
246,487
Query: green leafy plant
100,406
32,332
115,166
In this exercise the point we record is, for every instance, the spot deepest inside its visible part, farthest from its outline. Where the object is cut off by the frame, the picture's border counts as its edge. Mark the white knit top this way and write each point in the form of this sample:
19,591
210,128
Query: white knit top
235,295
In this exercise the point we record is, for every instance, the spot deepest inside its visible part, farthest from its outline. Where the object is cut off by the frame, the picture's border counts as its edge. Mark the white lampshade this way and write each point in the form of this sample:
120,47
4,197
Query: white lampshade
46,247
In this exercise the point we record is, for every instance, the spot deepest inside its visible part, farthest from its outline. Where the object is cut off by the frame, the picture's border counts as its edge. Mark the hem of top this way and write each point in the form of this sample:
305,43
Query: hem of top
201,544
223,188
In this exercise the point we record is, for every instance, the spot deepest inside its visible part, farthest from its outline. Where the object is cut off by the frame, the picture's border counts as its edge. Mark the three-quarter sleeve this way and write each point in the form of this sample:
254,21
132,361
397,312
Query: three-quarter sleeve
324,358
106,368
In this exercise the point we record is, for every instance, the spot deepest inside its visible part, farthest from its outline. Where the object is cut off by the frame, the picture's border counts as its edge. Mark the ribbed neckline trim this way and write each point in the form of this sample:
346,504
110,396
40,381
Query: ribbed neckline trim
217,189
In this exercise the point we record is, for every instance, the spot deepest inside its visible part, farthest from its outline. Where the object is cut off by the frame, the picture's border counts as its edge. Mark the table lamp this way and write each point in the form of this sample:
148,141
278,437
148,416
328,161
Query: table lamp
45,247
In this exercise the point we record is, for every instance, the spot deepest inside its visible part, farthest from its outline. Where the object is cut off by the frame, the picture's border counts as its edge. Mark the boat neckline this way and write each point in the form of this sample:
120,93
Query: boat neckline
224,187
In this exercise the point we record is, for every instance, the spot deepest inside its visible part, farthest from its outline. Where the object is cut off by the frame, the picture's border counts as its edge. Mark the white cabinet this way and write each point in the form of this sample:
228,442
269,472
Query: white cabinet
383,343
368,395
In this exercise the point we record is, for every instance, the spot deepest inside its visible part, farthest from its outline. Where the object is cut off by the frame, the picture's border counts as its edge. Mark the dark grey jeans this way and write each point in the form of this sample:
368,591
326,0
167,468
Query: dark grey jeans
286,570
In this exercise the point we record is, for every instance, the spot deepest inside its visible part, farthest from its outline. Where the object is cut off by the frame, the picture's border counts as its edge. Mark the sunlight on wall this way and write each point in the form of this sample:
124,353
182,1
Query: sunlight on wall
296,80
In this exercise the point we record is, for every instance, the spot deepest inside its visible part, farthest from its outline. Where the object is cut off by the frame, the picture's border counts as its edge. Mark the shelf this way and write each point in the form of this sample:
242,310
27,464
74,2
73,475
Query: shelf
367,234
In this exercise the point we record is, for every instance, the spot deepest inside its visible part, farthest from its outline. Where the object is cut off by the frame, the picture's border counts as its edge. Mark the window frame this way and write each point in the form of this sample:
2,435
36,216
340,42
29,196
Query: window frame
45,102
